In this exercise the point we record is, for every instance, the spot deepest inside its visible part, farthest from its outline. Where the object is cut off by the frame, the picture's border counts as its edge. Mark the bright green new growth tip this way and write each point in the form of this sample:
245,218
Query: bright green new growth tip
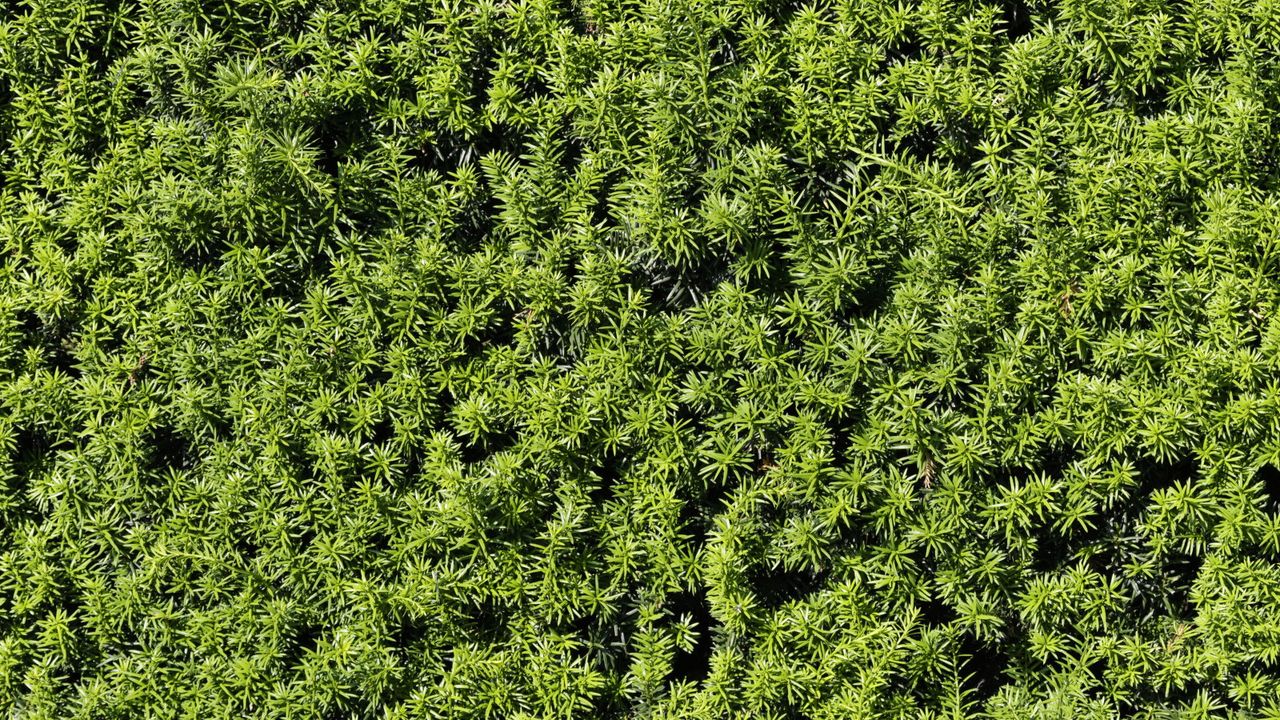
655,359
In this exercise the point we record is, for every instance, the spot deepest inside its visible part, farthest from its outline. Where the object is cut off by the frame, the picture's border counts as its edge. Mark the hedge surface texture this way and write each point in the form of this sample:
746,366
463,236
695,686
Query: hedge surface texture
653,359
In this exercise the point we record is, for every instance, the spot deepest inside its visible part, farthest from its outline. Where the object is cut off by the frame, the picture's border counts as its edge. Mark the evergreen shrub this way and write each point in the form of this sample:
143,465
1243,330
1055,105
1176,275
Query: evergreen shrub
650,359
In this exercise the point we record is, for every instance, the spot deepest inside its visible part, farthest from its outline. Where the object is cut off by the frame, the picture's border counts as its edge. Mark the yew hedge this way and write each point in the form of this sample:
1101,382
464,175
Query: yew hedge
639,359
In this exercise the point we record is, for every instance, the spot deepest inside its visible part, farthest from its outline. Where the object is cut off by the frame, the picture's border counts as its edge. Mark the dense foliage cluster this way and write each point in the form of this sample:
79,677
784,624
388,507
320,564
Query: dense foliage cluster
654,359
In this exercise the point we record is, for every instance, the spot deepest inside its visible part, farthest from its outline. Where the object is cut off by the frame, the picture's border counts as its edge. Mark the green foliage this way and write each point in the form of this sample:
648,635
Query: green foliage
658,359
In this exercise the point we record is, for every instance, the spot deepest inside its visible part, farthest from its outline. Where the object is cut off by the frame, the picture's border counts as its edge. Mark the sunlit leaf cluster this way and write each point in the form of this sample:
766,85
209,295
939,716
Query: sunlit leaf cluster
657,359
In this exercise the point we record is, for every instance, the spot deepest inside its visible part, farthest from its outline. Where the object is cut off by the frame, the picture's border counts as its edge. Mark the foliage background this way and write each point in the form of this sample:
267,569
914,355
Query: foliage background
652,358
